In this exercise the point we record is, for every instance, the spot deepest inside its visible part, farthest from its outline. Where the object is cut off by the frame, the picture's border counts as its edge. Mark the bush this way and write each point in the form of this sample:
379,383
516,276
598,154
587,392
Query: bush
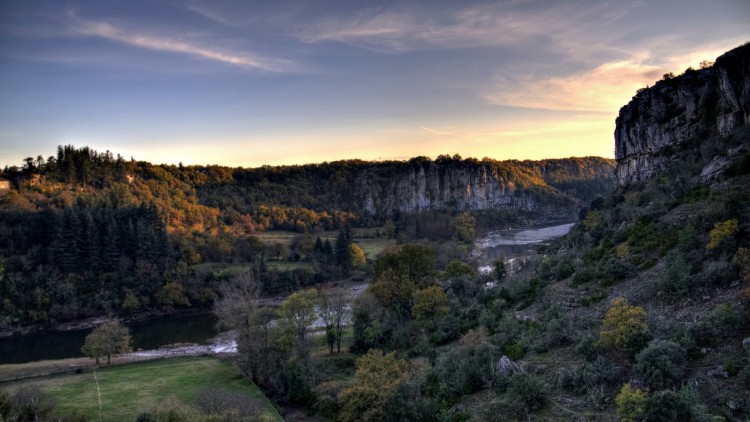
526,392
664,405
631,403
624,326
616,270
583,275
662,363
722,322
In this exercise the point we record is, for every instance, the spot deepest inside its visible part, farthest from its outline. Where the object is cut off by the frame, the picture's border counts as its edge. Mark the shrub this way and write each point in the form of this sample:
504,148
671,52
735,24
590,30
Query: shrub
679,275
631,403
662,363
663,406
722,322
692,404
589,347
616,270
723,234
583,275
526,392
514,350
622,324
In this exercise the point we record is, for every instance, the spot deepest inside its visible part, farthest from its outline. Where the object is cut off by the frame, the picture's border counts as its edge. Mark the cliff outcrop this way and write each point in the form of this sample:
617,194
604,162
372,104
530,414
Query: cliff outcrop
551,187
700,104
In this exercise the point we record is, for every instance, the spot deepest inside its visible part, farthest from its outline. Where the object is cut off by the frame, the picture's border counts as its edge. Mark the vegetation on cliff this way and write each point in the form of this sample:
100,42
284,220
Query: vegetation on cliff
86,233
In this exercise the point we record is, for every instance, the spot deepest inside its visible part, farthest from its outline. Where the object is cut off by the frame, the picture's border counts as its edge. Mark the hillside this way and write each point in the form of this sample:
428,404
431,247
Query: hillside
639,314
85,233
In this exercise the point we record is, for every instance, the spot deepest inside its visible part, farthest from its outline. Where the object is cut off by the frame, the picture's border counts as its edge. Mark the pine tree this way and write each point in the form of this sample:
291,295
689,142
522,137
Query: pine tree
111,252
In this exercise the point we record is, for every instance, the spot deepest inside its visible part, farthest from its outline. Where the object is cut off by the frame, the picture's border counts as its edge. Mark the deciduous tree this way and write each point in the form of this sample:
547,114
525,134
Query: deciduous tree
110,338
298,312
622,325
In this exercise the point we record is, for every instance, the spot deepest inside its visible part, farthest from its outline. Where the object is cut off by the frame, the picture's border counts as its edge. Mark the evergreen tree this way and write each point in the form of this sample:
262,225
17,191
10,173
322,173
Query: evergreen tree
343,241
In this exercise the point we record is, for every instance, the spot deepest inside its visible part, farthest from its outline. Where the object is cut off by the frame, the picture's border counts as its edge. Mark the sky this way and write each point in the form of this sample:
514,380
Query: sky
249,83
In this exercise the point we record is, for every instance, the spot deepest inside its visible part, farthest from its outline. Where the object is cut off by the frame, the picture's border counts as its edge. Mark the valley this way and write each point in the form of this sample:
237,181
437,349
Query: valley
633,304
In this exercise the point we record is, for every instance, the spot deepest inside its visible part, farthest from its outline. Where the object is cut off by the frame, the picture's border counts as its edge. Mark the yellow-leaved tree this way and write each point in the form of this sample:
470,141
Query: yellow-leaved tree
624,328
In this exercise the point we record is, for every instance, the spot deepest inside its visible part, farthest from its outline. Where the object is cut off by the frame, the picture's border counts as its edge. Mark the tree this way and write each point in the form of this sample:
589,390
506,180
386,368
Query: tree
499,269
463,227
263,345
622,325
393,291
110,338
172,294
456,269
375,381
357,257
631,403
298,312
416,262
429,304
341,249
662,363
334,310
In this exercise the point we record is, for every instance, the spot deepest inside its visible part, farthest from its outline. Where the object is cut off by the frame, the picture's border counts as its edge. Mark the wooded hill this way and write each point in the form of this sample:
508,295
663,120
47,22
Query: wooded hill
84,233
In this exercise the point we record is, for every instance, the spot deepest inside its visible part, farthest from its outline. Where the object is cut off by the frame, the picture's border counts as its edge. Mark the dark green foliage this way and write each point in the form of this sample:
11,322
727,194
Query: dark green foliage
600,371
298,381
616,270
663,406
662,363
526,393
367,331
417,262
406,405
720,323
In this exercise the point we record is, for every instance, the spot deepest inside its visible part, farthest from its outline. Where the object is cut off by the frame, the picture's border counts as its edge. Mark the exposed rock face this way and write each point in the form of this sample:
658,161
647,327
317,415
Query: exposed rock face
478,185
660,119
429,189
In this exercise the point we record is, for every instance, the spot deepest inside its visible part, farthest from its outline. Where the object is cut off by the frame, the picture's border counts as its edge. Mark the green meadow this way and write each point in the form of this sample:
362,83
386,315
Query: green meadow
128,390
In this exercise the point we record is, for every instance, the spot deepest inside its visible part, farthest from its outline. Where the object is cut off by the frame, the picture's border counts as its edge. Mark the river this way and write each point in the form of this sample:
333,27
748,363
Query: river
147,335
200,330
515,243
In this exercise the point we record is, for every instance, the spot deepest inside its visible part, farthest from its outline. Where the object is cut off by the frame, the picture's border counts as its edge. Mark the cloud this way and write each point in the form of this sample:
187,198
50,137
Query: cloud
604,88
401,29
179,45
600,89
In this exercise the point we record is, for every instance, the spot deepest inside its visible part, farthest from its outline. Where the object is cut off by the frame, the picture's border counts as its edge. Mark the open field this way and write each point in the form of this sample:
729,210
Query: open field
366,238
130,389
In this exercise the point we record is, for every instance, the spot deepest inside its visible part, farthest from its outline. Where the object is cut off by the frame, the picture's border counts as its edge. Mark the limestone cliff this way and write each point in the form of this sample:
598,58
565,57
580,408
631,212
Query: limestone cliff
696,105
550,187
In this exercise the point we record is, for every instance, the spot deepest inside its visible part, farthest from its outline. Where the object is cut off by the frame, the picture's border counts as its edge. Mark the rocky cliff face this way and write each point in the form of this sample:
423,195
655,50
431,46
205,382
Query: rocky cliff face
551,187
695,105
430,188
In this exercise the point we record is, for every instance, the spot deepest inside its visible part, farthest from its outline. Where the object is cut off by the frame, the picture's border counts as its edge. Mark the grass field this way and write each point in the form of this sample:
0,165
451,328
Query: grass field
128,390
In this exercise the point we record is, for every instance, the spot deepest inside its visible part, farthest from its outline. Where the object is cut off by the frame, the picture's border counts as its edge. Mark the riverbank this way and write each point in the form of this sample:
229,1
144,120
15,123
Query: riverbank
89,323
223,345
509,245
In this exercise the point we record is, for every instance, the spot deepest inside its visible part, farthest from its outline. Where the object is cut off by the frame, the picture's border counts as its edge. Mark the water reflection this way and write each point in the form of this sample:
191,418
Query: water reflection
152,334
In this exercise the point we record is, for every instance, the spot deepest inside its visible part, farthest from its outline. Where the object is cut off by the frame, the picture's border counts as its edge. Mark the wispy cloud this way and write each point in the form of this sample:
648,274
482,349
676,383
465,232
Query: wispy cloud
178,45
438,132
401,29
604,88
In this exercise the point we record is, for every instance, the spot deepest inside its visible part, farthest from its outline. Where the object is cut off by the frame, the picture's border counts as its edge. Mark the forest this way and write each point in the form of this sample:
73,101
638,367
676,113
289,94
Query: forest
86,233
